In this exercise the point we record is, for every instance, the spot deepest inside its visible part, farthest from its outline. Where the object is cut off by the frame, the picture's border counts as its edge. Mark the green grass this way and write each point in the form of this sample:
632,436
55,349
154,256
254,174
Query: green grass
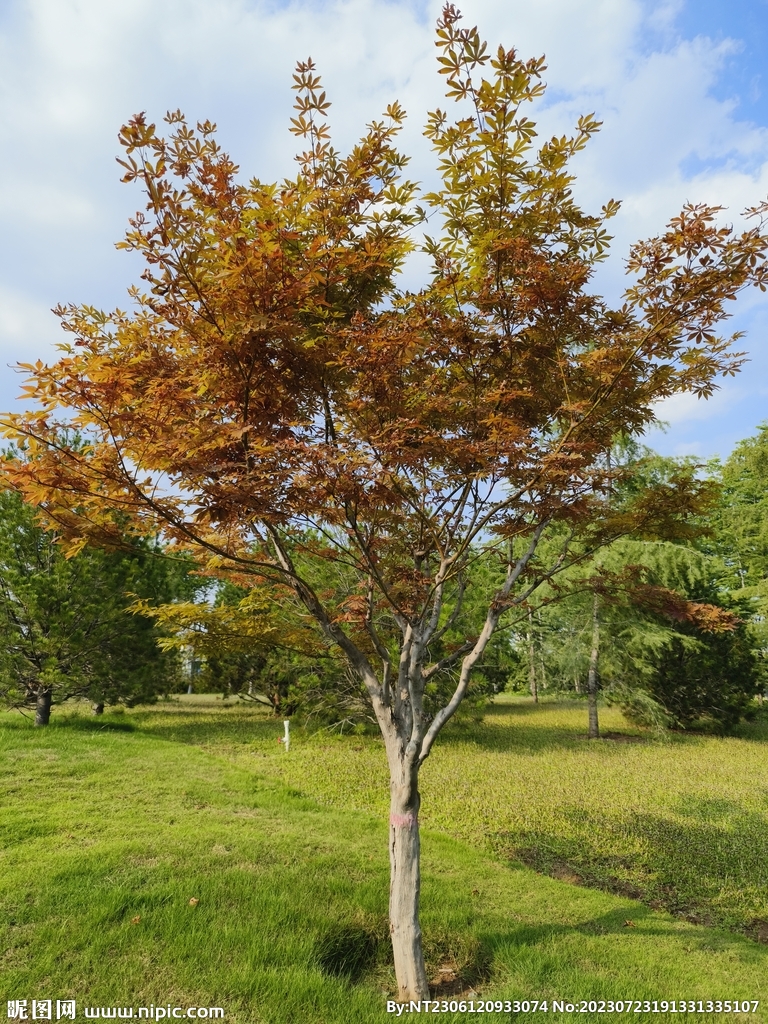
104,821
680,822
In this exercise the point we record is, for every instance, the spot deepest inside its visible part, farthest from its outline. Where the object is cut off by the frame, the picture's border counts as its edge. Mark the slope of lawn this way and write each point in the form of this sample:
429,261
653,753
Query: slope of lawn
111,826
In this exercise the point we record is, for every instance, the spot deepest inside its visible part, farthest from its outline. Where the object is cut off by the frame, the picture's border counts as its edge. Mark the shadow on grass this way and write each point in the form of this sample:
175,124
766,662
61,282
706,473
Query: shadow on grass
526,727
755,730
95,724
348,950
623,922
455,960
230,724
458,962
221,723
195,726
710,868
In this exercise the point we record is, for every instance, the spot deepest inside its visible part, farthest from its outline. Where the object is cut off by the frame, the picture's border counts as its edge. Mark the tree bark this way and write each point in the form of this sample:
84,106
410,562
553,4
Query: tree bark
405,884
98,709
594,730
542,666
43,706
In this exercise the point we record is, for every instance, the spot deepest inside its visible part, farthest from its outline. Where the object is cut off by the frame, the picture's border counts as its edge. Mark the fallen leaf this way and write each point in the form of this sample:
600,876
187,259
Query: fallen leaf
629,924
135,920
194,901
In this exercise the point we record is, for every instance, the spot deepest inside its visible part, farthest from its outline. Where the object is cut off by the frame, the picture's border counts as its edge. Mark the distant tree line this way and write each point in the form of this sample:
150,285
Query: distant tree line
617,626
125,625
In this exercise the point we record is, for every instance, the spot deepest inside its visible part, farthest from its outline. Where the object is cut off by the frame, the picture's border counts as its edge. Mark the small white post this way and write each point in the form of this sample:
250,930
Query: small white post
287,737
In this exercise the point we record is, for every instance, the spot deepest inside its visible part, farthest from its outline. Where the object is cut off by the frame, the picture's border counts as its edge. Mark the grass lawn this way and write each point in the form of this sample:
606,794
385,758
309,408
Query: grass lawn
110,827
680,822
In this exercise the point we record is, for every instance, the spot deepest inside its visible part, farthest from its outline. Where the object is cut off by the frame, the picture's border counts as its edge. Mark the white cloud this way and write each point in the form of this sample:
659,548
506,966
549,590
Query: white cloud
688,408
22,318
71,71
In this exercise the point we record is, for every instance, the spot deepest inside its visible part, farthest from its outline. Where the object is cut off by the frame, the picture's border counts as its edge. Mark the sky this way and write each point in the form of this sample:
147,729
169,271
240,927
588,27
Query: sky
681,87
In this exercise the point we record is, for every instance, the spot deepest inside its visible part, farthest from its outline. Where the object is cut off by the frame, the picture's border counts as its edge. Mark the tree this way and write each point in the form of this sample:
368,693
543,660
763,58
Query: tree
607,618
67,623
250,645
741,521
674,646
740,531
696,670
273,378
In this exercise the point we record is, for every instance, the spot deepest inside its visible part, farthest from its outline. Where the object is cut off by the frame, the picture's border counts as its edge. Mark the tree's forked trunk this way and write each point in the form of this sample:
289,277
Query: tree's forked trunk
408,734
404,886
43,706
594,730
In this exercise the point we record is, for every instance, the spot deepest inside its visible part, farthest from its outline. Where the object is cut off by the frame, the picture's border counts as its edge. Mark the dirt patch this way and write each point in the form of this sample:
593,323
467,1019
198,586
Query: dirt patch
619,887
563,872
447,984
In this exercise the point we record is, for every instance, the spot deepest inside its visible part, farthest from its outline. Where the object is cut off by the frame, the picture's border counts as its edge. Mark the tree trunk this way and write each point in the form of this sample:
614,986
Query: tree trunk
532,660
43,706
98,709
405,884
594,730
542,666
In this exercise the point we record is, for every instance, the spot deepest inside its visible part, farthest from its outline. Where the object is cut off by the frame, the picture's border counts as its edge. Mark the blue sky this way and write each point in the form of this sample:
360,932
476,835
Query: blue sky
746,70
740,27
681,86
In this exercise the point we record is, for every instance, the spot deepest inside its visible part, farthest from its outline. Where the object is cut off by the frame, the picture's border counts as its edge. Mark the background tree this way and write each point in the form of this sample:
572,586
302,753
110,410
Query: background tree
741,518
257,645
675,647
740,533
261,645
67,623
272,378
603,622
